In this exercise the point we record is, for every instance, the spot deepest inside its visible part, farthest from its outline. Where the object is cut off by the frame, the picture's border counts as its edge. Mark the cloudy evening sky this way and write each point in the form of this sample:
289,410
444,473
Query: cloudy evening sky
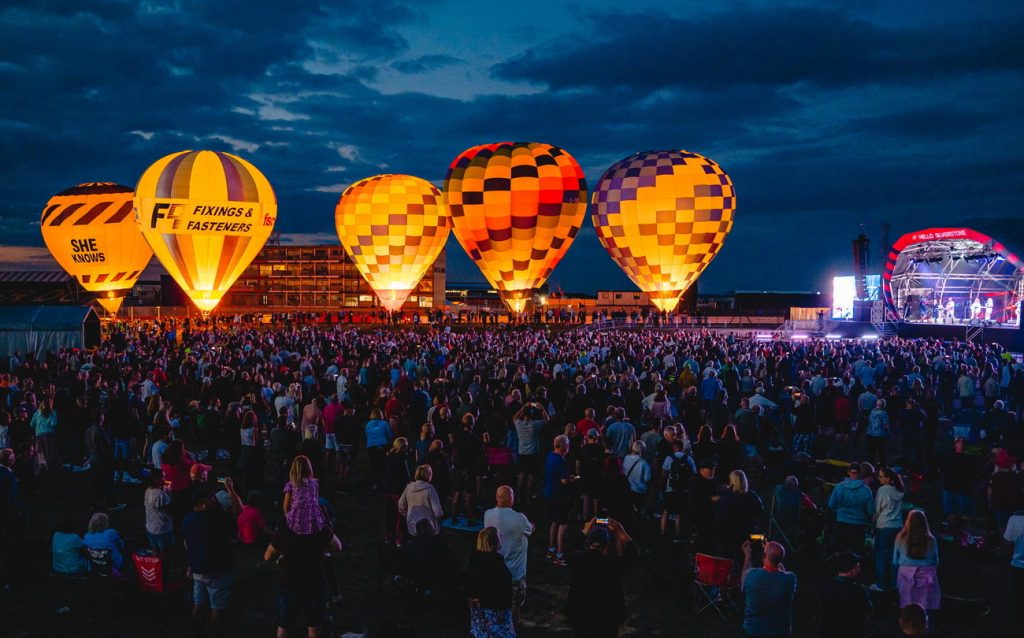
827,115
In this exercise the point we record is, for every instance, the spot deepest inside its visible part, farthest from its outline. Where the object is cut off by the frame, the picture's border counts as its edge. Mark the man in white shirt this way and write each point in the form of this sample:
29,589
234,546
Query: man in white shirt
1015,534
514,530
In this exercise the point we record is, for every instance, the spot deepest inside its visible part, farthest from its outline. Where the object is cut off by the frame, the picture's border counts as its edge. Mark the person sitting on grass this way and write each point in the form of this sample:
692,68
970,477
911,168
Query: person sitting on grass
68,550
101,535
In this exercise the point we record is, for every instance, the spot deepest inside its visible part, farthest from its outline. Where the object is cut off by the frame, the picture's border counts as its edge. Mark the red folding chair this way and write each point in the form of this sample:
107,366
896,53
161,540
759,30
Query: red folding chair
714,584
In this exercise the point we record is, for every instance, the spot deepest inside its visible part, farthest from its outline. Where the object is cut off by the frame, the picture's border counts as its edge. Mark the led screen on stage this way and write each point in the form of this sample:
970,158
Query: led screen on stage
844,293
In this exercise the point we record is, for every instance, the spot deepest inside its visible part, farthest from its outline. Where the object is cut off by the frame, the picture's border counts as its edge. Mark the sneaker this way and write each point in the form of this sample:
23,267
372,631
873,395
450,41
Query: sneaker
550,554
875,587
559,561
117,477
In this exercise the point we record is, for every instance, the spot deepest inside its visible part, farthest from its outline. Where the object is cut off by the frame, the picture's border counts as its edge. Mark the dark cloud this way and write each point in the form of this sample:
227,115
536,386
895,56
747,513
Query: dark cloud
773,46
425,63
824,118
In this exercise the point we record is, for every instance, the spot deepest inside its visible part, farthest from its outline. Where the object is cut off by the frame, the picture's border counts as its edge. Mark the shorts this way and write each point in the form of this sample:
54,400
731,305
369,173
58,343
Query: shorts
330,442
558,510
161,541
310,603
528,463
211,590
957,504
675,502
463,480
519,593
121,448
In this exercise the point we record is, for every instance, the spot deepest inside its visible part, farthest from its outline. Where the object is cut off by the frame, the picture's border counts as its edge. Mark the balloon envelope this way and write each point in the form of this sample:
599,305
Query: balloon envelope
91,232
206,214
663,216
516,208
393,227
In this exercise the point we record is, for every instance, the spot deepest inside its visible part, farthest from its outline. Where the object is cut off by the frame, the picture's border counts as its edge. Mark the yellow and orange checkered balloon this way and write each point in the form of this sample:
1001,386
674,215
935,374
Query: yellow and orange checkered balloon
663,216
91,232
516,208
206,214
393,227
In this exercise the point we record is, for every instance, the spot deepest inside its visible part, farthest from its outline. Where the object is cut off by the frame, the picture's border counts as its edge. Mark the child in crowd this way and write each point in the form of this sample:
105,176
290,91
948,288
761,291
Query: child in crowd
302,511
251,524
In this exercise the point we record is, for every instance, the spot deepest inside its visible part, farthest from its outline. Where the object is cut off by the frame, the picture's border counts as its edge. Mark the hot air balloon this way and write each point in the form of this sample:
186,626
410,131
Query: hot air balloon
206,214
663,216
516,208
393,227
91,232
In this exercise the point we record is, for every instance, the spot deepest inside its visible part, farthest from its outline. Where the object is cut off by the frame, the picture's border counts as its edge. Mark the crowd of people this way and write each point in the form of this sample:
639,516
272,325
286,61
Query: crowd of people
623,445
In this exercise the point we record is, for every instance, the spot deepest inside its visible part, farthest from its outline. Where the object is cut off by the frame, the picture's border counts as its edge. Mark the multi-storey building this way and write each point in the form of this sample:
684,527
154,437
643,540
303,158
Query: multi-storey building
291,278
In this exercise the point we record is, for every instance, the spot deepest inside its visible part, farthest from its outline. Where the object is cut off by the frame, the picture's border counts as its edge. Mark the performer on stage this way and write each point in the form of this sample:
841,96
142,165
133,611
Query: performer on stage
988,309
975,309
950,311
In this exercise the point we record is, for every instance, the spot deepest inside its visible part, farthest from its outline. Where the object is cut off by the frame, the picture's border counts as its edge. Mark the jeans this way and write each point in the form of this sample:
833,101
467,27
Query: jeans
885,571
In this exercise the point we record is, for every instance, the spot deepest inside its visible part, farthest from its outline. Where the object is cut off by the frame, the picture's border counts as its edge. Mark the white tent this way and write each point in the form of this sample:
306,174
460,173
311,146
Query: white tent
38,329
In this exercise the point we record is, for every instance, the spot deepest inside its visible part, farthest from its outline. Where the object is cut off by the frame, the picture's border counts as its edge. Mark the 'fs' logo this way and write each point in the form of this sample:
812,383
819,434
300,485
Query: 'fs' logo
163,210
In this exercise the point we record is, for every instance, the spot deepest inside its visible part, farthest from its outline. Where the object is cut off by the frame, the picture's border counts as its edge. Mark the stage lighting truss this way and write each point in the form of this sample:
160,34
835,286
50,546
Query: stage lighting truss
926,276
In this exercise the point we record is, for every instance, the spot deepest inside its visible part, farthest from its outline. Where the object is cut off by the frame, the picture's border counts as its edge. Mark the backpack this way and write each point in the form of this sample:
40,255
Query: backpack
679,473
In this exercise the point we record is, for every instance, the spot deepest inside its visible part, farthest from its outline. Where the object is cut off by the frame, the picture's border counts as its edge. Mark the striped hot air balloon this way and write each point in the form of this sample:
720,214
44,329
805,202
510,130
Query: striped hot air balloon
516,208
206,214
91,232
393,227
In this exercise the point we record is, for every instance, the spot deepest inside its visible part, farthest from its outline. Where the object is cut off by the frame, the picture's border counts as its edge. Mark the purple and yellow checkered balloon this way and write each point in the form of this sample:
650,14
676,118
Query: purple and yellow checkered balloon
663,216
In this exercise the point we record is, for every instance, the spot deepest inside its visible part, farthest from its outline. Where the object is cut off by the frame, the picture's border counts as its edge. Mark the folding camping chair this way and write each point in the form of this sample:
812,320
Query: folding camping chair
103,579
714,584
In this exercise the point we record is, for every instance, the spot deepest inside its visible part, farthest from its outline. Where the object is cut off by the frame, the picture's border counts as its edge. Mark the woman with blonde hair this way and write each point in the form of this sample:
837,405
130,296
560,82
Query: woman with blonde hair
917,559
738,512
489,588
100,535
419,501
301,505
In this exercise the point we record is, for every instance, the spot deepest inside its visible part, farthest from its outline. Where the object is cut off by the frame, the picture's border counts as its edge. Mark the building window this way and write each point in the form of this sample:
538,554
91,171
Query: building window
426,302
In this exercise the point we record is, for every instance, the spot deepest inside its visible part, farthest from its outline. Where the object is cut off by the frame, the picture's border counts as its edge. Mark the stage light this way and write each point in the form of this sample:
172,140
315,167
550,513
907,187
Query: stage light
869,336
763,337
833,337
798,337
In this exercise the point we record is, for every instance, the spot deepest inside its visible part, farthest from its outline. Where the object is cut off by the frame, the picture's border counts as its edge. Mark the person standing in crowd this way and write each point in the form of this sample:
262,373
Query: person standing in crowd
700,500
638,473
419,502
378,437
302,585
596,603
44,424
1014,536
207,533
959,477
514,530
619,435
888,523
490,589
101,461
853,505
556,497
738,511
301,502
876,439
768,593
528,422
398,472
845,604
159,523
917,558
